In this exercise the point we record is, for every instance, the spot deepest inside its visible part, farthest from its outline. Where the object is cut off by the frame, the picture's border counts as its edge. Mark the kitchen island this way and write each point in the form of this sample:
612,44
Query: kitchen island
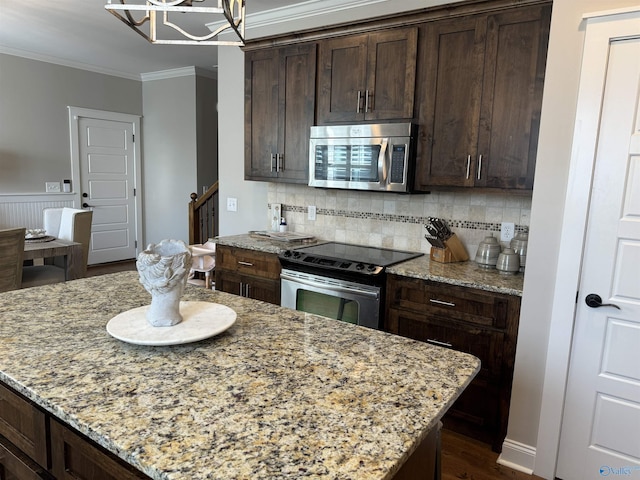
280,394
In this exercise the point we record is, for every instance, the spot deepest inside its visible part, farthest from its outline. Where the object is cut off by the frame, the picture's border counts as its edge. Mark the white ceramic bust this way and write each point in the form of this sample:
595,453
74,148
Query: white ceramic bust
163,270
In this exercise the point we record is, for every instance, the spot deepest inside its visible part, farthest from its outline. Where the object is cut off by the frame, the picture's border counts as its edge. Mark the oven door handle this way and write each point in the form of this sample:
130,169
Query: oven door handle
383,165
329,287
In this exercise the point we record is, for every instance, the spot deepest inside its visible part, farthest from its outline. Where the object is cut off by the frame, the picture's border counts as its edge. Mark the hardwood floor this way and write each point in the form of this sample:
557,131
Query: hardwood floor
463,458
467,459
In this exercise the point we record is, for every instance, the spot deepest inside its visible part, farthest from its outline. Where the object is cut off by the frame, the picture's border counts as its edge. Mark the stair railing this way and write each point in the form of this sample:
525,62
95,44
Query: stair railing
203,221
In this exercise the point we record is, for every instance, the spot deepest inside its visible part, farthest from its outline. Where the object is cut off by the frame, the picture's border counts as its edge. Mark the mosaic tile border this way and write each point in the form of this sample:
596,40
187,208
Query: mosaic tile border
453,223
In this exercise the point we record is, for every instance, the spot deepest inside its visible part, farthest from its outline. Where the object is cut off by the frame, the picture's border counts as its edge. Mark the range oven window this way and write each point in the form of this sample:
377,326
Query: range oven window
327,305
353,163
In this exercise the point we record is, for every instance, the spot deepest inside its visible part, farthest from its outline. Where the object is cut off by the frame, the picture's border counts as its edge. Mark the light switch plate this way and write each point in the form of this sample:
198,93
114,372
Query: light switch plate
52,187
232,204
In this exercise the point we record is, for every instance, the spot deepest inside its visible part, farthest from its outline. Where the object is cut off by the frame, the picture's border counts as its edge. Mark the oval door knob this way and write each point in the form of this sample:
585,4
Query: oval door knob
594,300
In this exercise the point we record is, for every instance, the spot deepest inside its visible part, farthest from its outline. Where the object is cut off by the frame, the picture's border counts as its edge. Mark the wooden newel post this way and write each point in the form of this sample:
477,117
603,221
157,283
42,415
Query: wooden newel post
194,220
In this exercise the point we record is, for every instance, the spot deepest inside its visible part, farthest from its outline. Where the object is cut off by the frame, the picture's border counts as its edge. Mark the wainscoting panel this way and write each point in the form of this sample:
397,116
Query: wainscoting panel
26,211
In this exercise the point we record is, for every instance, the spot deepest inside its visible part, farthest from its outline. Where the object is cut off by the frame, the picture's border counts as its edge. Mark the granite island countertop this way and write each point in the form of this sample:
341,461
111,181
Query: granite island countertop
464,274
278,395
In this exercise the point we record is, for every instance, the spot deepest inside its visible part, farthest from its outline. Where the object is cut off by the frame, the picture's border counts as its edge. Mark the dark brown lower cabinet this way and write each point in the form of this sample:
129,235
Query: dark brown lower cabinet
481,323
35,446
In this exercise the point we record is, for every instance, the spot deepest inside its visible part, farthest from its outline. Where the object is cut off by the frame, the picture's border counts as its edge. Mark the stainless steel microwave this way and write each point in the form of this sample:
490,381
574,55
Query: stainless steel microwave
363,157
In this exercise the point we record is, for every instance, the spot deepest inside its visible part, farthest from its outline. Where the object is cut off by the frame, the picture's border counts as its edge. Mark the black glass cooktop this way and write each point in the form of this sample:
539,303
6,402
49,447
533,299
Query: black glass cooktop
356,253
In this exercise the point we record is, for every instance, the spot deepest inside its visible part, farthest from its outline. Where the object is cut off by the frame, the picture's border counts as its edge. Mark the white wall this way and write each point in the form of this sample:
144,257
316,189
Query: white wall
169,170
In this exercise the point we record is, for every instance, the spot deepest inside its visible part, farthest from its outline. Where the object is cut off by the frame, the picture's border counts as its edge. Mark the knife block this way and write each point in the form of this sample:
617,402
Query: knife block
454,251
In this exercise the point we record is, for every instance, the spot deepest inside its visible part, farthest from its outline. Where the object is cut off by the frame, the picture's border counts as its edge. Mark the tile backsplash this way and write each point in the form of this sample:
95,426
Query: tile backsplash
397,221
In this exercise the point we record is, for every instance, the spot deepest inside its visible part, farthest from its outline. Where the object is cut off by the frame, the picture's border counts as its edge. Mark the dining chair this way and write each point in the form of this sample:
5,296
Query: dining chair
73,225
203,260
11,252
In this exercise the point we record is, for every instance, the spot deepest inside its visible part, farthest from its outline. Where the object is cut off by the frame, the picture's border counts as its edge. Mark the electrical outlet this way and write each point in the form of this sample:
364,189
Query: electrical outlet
52,187
507,231
312,212
232,204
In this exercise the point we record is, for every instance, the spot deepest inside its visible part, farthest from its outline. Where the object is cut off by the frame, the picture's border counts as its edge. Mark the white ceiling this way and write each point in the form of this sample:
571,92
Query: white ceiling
81,33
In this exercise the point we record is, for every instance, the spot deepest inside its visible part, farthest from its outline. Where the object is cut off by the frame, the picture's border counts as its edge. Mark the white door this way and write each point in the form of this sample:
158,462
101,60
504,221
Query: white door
108,187
601,424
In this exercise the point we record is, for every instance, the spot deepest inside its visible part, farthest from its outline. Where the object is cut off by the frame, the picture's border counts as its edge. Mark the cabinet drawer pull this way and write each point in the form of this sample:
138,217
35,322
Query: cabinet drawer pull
441,302
245,264
438,343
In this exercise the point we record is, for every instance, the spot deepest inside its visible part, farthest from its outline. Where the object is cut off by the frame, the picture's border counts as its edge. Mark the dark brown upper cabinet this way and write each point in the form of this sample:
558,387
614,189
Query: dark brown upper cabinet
367,77
480,97
280,93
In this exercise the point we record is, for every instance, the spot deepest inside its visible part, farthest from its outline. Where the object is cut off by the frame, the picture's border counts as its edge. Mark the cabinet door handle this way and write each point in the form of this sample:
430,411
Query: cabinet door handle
245,264
273,162
479,166
279,162
359,101
246,290
441,302
241,289
468,165
440,344
366,101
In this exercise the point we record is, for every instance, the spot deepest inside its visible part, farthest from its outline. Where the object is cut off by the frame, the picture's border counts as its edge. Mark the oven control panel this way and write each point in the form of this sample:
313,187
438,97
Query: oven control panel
301,258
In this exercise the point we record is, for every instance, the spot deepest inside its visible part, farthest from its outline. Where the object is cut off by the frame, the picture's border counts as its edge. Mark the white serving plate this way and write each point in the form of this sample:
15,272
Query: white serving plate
200,320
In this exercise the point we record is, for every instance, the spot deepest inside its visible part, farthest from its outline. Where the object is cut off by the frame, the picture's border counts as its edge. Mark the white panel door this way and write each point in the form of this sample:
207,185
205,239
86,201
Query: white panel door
108,187
601,424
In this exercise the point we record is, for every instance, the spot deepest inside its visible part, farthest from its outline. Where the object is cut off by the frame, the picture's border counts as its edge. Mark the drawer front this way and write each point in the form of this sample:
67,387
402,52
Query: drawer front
77,458
248,262
483,343
24,425
449,301
15,465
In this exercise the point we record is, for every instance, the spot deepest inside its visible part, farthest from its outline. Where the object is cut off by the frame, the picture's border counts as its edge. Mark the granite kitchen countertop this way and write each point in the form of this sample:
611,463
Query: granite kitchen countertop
464,274
280,394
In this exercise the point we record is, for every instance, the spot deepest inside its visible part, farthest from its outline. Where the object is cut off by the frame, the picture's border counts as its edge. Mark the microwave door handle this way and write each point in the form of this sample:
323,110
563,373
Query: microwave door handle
382,163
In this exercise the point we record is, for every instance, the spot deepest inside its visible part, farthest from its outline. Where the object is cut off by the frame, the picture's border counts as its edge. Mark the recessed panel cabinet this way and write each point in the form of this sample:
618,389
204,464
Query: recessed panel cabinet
480,99
474,321
280,93
35,446
248,273
367,77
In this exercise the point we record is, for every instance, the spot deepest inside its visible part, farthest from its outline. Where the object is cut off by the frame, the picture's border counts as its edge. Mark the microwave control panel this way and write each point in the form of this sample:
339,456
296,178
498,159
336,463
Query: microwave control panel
398,158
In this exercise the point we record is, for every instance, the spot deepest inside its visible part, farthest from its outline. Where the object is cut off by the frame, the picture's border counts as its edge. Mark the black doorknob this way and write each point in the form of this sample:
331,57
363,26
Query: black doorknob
594,300
86,205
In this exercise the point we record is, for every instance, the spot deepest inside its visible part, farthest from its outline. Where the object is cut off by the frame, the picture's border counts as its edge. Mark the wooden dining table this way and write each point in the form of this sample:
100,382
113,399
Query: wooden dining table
74,267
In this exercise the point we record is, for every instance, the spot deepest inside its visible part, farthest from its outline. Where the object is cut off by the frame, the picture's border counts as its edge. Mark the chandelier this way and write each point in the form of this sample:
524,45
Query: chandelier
153,22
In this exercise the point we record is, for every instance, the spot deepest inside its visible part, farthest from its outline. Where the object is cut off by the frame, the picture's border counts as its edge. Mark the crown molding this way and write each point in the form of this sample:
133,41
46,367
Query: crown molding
297,12
66,63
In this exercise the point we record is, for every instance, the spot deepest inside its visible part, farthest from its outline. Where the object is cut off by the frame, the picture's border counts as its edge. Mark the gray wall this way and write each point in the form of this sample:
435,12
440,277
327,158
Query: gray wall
207,131
34,120
170,156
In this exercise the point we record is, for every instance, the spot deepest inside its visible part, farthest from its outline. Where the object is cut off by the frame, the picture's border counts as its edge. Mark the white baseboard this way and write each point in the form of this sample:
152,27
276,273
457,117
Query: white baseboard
518,456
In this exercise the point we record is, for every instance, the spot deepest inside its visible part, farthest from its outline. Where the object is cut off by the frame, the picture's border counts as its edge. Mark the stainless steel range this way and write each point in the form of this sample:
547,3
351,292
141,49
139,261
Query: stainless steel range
338,280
